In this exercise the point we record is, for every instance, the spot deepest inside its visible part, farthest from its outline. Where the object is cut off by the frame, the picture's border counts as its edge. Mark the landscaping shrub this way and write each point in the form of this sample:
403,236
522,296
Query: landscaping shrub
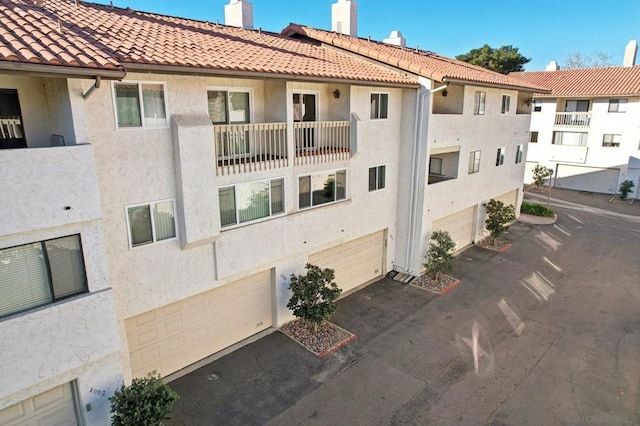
314,294
541,174
626,186
145,402
499,217
536,209
439,257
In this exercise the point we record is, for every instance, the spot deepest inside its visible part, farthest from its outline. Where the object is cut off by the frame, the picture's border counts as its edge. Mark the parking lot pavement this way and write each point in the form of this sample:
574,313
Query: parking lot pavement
545,333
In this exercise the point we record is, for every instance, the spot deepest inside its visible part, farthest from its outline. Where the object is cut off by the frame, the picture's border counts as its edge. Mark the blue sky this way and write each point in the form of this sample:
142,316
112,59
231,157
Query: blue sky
543,30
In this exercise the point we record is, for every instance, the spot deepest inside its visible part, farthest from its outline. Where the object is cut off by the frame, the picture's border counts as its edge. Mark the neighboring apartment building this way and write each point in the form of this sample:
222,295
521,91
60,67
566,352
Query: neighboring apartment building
587,128
163,178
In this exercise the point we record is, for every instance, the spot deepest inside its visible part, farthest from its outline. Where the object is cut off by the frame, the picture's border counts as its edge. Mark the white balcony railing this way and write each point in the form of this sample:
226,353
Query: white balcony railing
321,141
11,133
576,120
243,148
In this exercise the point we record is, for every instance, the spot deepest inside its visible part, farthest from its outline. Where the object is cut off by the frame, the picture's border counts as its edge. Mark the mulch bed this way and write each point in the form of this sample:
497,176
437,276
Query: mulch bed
440,285
327,338
496,244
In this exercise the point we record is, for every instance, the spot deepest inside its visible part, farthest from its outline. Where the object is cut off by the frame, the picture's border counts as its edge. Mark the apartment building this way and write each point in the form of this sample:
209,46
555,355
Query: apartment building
164,177
586,129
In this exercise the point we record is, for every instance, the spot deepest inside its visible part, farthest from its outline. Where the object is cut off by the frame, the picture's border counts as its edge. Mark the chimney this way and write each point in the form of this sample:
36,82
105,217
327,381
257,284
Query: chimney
344,17
239,13
396,38
552,66
630,54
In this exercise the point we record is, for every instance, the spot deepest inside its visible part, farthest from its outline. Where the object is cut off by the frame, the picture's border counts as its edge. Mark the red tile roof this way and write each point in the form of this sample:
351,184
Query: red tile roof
104,35
420,62
608,81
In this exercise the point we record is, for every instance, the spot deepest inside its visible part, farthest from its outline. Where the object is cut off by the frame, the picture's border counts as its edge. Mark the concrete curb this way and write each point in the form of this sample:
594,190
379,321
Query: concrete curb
449,288
337,346
537,220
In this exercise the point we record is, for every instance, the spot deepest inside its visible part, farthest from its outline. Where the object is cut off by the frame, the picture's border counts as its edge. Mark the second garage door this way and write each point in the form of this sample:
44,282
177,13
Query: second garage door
509,199
355,262
459,225
53,407
593,179
170,338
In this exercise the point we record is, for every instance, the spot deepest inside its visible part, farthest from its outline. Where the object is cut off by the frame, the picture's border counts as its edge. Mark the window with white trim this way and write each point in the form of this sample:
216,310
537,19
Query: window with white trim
500,157
140,104
474,162
570,138
617,105
611,141
322,188
41,273
151,222
519,152
479,102
506,103
537,106
377,176
251,201
533,137
379,106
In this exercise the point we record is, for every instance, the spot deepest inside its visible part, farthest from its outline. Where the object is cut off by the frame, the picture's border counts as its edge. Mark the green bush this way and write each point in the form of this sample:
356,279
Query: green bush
536,209
499,217
314,294
145,402
541,174
626,186
439,259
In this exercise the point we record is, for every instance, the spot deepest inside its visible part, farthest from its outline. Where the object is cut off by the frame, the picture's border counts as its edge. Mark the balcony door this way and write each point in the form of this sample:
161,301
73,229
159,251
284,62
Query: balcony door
577,106
11,129
229,108
305,110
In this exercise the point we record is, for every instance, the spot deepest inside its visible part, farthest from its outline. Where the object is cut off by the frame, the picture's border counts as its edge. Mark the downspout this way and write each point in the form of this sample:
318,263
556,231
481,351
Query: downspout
94,86
422,105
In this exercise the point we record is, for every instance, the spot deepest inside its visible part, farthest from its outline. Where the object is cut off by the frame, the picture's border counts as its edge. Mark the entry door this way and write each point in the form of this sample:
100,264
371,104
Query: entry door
577,106
11,130
227,107
304,110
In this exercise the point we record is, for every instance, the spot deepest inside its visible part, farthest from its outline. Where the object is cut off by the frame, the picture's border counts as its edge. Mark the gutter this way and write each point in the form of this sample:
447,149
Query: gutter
41,70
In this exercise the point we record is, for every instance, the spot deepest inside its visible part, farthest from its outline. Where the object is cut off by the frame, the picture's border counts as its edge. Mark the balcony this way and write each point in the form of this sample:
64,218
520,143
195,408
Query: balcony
246,148
11,133
573,120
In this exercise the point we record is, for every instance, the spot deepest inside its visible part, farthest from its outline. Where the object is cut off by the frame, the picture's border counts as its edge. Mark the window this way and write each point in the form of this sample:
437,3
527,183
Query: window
617,105
40,273
377,178
230,107
435,166
322,188
576,106
474,162
151,222
140,104
570,138
379,105
537,106
506,103
612,141
500,157
479,102
519,152
11,131
248,202
533,137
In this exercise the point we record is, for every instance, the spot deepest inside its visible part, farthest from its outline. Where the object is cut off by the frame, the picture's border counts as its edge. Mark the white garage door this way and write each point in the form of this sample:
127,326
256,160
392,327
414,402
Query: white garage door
54,407
592,179
459,225
509,198
170,338
355,262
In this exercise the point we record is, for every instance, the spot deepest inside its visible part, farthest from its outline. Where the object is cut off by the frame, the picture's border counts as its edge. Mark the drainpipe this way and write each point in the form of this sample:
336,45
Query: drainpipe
415,207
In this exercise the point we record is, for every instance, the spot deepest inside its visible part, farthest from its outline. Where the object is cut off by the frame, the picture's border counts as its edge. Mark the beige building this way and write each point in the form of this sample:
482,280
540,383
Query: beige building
164,177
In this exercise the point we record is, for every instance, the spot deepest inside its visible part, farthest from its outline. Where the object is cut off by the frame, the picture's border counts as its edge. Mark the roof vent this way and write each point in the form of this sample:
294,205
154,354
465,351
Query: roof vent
239,13
552,66
396,38
344,17
630,54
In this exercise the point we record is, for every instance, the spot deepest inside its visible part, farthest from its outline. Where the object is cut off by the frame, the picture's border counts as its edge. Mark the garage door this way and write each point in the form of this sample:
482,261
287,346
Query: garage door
459,225
170,338
509,198
54,407
355,262
593,179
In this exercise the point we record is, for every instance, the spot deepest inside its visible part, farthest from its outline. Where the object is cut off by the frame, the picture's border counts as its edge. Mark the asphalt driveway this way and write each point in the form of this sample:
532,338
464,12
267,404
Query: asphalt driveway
546,333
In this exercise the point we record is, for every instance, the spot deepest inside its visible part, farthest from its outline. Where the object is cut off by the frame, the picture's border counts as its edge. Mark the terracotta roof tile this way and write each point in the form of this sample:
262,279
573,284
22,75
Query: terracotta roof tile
607,81
420,62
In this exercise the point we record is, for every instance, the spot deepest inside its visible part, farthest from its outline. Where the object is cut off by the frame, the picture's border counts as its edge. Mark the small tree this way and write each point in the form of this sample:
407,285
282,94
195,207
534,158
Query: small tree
499,217
145,402
541,174
439,257
625,188
313,294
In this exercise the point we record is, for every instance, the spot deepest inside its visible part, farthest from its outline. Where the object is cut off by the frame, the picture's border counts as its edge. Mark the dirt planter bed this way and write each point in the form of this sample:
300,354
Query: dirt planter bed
441,285
322,341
